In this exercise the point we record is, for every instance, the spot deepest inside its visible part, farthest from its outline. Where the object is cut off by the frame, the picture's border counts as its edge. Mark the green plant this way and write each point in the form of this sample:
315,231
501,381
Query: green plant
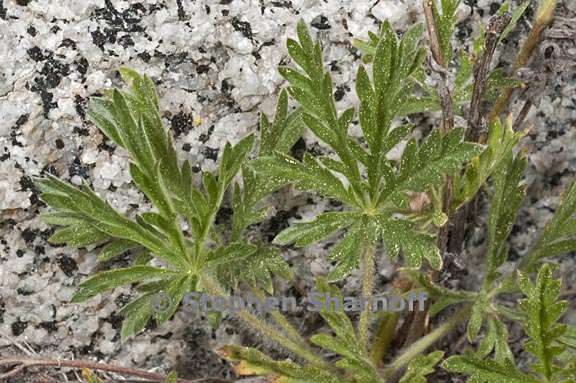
541,311
404,206
180,236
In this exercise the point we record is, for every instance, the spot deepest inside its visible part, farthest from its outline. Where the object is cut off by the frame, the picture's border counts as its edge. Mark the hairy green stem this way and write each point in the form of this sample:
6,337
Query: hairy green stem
383,337
271,332
423,343
285,324
268,330
367,290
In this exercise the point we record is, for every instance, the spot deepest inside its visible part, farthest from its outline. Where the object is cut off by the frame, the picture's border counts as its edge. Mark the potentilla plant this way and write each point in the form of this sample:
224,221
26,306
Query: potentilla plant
380,196
180,236
403,208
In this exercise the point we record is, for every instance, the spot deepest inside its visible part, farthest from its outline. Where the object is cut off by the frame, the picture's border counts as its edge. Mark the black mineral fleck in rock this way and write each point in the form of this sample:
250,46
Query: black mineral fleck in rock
26,183
68,43
35,54
84,132
77,168
321,22
54,71
126,41
144,56
18,327
339,94
242,26
67,265
181,13
182,123
115,320
210,153
202,69
98,38
29,235
49,326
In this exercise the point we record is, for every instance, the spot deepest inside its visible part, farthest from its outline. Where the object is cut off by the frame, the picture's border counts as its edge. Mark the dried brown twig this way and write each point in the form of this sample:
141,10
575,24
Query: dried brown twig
19,364
496,26
543,20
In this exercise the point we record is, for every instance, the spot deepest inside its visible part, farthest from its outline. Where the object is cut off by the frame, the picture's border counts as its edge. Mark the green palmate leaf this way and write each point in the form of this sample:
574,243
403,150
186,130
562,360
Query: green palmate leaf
516,15
420,367
506,199
495,340
90,210
401,235
233,158
338,321
136,314
115,248
306,175
108,280
543,311
486,371
132,120
306,233
424,166
392,94
79,235
347,252
345,342
435,157
241,262
280,135
442,296
559,236
445,19
312,87
499,148
173,293
394,62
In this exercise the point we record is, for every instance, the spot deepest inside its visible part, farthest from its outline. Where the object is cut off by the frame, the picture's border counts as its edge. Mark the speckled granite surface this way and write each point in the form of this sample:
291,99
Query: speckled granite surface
214,62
